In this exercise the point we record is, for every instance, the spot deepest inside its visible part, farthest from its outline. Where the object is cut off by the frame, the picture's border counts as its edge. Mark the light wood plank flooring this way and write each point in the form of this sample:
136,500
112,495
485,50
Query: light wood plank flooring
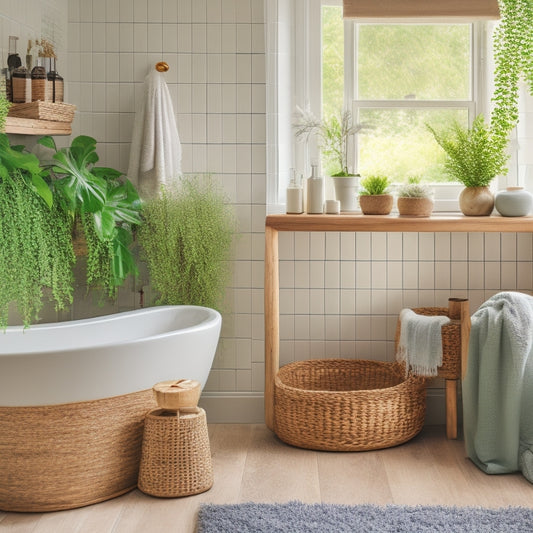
251,464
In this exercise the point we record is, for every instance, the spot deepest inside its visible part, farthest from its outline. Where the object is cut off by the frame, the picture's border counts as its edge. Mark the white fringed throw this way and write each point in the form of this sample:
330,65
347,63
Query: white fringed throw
420,345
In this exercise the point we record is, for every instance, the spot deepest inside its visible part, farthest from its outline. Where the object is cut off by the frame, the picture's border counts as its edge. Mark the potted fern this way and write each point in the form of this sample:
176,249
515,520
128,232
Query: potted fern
334,134
186,240
474,157
374,197
415,199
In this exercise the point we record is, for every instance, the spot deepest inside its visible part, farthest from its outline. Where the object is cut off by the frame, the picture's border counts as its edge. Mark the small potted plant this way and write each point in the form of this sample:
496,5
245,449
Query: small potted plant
415,199
374,197
333,135
474,158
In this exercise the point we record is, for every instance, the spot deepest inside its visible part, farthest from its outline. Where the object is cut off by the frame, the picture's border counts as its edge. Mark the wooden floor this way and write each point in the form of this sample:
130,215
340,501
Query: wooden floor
251,464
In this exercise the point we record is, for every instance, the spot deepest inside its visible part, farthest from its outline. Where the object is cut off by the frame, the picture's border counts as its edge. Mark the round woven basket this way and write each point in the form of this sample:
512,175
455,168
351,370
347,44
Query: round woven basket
451,341
347,405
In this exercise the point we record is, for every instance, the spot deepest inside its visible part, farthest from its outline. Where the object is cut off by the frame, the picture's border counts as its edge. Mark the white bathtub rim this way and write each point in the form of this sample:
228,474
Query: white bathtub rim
212,317
96,372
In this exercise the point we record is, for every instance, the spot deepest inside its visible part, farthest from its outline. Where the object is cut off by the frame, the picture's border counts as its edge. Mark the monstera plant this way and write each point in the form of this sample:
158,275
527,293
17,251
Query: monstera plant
103,202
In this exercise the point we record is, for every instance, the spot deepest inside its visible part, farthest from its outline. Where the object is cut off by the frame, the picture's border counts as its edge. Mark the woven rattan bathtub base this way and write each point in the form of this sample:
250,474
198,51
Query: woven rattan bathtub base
65,456
347,405
176,456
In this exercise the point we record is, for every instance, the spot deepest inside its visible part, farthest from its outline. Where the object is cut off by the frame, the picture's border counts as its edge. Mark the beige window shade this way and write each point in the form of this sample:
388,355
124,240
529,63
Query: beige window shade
461,9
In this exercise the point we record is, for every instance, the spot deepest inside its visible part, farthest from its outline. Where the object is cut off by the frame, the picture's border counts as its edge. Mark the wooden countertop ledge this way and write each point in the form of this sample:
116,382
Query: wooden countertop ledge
393,223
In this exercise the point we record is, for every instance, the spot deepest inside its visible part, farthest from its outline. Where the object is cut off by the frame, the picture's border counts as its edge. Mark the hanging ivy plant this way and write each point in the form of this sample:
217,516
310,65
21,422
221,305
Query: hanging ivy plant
513,56
186,240
4,110
36,250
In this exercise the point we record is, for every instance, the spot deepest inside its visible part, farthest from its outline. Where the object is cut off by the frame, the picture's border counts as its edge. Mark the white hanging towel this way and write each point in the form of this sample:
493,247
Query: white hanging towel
155,153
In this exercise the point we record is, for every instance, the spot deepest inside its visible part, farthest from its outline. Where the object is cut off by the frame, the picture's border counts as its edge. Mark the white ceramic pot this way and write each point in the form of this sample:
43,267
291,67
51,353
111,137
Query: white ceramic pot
346,191
514,202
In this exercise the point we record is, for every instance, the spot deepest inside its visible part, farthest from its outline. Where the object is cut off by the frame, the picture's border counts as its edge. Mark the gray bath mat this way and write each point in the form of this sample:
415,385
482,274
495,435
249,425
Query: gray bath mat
296,517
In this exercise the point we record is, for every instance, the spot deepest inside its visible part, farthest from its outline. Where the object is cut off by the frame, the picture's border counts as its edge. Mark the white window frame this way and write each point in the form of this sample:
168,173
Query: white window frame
445,193
293,29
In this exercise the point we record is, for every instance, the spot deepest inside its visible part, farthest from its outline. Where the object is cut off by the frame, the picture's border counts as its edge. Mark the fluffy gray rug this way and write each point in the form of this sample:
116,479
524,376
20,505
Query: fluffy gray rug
296,517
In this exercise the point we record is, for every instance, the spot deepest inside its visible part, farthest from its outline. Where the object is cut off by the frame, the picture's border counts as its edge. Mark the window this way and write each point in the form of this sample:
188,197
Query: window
395,77
400,77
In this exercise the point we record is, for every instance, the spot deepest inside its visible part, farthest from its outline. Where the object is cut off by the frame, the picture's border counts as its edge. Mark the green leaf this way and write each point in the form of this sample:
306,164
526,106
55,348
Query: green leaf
41,188
48,141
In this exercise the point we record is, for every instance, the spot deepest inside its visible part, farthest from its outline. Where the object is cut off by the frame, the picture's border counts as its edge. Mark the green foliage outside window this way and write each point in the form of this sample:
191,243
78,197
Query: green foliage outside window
399,62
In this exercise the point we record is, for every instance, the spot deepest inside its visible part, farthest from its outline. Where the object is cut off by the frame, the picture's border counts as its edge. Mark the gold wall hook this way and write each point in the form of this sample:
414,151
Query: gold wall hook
161,66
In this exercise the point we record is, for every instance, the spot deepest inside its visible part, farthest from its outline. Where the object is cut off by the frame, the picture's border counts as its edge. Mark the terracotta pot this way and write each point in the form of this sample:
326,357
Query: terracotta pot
476,201
379,204
414,207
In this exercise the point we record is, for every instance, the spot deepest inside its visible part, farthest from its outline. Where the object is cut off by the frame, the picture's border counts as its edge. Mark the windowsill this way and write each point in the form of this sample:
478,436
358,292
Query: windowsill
440,222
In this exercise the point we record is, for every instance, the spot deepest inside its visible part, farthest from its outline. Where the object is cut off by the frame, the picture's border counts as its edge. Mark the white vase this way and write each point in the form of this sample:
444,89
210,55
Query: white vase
346,191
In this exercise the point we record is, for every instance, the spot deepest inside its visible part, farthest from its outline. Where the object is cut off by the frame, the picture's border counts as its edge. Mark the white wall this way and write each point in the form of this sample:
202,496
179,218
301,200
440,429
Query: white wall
340,293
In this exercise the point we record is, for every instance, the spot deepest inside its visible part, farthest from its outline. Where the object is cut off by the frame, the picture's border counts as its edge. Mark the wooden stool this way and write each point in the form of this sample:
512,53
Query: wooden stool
176,456
455,338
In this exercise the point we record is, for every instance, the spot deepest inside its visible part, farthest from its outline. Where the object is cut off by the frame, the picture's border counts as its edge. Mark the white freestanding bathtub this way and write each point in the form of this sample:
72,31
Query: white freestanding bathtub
73,396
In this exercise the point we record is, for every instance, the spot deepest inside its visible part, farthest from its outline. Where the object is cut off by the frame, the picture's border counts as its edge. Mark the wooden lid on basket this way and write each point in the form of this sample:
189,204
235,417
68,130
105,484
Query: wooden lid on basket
174,395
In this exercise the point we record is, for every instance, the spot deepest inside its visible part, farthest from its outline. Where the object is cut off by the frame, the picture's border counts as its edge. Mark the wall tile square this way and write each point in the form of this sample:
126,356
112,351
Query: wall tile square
155,11
475,246
379,246
492,246
170,11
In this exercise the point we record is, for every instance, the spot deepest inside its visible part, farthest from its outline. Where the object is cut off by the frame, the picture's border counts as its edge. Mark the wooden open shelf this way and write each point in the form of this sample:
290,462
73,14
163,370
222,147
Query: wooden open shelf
30,126
352,222
393,223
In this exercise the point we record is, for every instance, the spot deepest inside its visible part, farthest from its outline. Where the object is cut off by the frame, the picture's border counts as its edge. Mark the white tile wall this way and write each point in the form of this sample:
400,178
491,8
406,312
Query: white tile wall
340,293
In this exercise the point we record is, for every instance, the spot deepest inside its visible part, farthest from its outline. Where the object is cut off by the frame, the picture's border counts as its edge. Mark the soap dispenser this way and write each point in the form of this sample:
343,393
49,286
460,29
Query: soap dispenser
315,192
295,195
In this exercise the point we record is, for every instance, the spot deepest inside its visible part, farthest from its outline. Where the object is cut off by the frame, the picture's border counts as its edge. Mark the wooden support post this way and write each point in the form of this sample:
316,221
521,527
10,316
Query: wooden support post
451,408
458,309
271,320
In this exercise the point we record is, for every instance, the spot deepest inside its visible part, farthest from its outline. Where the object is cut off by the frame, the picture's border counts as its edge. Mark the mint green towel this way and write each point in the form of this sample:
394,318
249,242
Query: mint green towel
498,386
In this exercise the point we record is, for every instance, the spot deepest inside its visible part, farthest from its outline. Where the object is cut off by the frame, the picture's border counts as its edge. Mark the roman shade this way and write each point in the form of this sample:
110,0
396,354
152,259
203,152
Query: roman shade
409,9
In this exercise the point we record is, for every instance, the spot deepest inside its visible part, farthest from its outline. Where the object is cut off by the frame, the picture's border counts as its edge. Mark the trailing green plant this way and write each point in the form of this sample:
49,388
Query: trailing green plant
474,157
374,185
186,239
4,110
104,202
513,58
333,135
414,188
36,250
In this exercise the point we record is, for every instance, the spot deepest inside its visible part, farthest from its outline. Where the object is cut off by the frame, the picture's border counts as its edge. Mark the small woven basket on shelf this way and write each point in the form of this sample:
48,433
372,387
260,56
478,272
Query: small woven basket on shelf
44,110
451,341
347,405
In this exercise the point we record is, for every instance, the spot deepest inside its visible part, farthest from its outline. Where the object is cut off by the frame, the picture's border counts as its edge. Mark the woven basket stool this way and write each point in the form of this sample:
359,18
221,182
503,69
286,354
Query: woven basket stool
176,456
455,338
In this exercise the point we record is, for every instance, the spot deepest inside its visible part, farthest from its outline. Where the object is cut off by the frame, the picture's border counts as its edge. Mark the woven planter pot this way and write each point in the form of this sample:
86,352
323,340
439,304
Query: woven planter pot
379,204
414,207
347,405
